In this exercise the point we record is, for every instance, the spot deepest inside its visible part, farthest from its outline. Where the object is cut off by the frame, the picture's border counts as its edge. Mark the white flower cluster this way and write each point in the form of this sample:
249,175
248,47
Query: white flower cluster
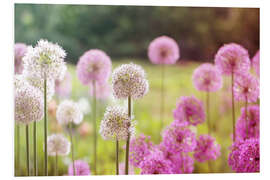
45,60
28,104
20,82
129,80
58,145
69,112
116,124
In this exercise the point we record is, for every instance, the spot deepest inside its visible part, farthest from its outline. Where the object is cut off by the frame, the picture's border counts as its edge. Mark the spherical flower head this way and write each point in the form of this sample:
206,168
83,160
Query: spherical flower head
139,148
84,105
45,60
81,168
178,138
64,87
232,58
69,112
20,50
246,88
155,163
248,126
103,90
189,109
207,78
20,82
116,124
256,62
129,80
94,65
58,145
163,50
39,84
245,156
206,149
28,105
122,169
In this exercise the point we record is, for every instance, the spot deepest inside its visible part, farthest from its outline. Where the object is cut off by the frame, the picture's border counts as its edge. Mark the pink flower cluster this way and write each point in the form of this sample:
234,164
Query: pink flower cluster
81,168
256,62
20,50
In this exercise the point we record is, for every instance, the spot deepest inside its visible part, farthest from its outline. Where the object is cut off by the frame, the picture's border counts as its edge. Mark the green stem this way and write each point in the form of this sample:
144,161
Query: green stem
233,111
246,116
56,165
162,97
27,150
128,138
208,111
18,149
117,157
45,129
35,148
72,150
95,128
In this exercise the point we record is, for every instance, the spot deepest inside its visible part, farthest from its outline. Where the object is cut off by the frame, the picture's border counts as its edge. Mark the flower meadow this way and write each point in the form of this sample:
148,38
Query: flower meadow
163,116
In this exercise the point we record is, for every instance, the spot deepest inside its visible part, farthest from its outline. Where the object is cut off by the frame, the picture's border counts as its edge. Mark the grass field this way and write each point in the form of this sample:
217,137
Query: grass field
178,83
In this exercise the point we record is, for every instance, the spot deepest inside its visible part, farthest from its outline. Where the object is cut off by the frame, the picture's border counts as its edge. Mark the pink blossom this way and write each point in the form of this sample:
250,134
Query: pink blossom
232,58
189,109
94,65
81,168
206,149
245,156
256,62
248,126
163,50
103,90
246,87
64,87
207,78
20,50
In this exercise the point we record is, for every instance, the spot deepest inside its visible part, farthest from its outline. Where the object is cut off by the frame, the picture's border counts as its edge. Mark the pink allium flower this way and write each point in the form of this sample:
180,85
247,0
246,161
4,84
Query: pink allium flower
163,50
63,88
207,78
246,87
94,65
256,63
20,50
140,147
232,58
245,156
122,169
103,90
155,163
81,168
206,149
181,162
253,126
178,138
189,109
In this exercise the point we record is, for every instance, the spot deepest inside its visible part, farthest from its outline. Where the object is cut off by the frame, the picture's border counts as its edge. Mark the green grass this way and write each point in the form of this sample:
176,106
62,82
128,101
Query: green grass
147,114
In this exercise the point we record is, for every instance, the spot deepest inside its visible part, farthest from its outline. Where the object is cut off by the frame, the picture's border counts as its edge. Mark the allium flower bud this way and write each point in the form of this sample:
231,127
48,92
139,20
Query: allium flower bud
58,145
69,112
20,50
45,60
116,124
28,105
129,80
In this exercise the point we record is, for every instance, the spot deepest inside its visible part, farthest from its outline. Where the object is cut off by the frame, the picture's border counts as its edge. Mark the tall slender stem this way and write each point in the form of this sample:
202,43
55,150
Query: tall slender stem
18,150
233,111
117,157
35,148
162,97
208,112
56,165
128,138
246,116
95,128
27,150
72,149
45,129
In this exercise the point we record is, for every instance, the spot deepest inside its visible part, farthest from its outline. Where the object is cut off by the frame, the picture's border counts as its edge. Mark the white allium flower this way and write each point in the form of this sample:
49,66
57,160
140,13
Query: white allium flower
116,124
129,80
84,105
20,82
68,112
28,105
58,144
45,60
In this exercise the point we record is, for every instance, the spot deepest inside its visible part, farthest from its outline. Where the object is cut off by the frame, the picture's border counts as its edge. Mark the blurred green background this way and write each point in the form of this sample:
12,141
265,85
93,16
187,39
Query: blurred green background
124,33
